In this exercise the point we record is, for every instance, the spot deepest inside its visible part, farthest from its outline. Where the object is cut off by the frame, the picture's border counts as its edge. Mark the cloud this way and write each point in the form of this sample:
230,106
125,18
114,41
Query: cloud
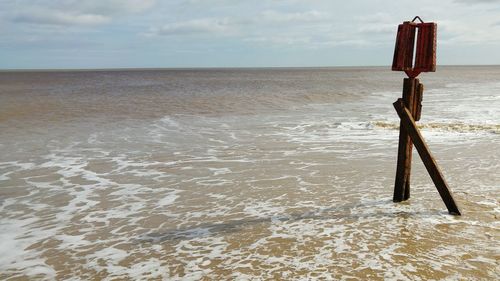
477,1
60,18
73,12
386,28
457,32
209,26
247,26
379,23
308,16
279,40
110,7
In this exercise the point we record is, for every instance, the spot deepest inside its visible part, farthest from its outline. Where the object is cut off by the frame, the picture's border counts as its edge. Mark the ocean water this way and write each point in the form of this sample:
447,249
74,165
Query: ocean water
244,174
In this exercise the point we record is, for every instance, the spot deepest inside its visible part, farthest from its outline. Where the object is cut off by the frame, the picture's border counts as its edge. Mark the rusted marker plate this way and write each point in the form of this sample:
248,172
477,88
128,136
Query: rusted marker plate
415,49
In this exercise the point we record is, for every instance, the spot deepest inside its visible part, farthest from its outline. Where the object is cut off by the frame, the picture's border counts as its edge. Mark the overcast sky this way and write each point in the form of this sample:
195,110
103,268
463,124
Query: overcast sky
232,33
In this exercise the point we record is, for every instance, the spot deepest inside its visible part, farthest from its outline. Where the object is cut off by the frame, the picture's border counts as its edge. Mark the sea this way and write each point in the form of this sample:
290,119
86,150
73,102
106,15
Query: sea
244,174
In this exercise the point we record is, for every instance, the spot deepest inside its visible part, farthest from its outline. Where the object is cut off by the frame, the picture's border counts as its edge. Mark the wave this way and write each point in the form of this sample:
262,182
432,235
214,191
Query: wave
459,127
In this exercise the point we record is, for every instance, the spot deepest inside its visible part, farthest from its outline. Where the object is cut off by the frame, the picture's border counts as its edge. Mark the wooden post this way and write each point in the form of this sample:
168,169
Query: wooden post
419,94
402,182
409,125
413,58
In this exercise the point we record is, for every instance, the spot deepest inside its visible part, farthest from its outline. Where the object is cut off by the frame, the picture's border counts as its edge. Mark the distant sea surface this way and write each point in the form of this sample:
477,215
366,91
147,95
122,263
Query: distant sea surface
244,174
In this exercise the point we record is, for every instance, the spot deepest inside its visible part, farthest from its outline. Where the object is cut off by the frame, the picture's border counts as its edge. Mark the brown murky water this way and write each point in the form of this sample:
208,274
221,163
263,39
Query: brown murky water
243,174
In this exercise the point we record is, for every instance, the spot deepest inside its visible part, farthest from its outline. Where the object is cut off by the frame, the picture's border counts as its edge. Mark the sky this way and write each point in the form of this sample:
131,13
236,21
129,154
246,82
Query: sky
53,34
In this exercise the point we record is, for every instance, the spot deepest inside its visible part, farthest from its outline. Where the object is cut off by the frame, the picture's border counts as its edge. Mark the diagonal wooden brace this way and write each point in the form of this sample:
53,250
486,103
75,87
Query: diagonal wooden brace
423,150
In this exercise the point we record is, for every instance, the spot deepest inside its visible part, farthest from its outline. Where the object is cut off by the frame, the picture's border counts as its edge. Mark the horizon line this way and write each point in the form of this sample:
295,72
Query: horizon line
215,68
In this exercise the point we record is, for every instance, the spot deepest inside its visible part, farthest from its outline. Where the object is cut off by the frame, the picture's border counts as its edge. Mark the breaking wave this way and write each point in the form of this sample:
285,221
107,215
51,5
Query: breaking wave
458,127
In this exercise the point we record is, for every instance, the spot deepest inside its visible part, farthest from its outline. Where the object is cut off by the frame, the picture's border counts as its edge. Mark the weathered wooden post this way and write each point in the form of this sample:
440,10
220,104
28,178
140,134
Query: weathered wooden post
415,52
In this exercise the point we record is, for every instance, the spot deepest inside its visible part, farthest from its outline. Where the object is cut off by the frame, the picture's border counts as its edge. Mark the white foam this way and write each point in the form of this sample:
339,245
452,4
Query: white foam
15,237
168,199
220,171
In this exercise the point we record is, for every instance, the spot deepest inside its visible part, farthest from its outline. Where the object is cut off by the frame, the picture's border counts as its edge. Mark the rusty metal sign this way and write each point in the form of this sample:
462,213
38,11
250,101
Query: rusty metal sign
415,49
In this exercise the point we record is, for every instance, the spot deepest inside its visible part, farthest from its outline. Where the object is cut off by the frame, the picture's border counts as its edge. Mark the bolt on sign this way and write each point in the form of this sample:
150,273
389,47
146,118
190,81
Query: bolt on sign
415,52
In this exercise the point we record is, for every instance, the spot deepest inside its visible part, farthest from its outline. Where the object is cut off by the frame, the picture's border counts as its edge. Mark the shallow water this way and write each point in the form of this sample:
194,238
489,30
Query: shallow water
248,174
